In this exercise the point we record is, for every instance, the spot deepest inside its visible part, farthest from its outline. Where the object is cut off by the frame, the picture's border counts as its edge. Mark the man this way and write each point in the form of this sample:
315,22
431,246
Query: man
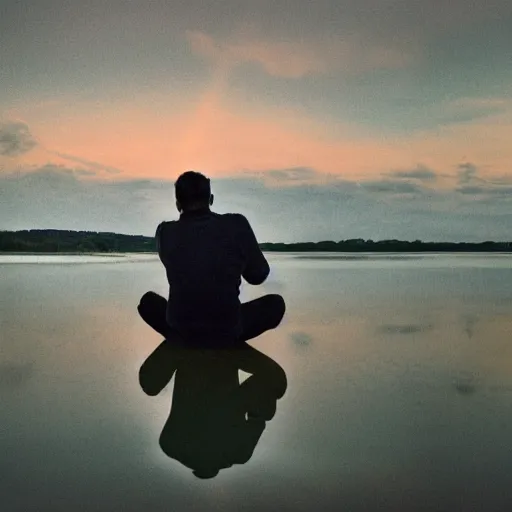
205,255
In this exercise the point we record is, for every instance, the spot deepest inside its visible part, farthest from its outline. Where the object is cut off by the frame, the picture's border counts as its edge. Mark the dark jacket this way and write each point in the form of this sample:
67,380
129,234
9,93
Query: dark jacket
205,255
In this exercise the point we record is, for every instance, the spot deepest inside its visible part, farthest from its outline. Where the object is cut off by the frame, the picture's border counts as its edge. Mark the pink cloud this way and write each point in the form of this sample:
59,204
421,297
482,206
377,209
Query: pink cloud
295,59
220,141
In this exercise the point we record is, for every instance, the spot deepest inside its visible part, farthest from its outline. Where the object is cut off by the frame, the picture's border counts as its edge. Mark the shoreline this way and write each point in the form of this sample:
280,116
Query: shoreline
66,253
128,253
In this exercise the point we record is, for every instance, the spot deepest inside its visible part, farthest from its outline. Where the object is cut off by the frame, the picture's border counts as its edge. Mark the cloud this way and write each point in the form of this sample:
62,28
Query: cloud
501,191
292,177
471,183
467,109
471,190
468,173
88,163
208,134
85,172
60,197
474,190
500,180
390,186
285,59
15,139
223,136
297,58
293,174
420,173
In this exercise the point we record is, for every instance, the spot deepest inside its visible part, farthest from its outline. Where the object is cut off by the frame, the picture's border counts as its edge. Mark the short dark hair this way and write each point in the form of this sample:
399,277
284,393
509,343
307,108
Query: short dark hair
192,188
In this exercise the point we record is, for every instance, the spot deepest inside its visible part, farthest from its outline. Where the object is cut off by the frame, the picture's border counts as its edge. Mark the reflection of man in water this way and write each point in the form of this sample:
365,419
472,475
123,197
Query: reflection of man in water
215,422
205,255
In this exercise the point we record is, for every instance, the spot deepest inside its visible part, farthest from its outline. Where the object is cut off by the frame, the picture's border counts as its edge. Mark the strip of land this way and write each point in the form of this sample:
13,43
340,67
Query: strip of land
63,241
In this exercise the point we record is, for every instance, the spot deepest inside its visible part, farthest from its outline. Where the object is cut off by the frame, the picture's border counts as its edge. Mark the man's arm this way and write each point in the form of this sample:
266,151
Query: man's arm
158,234
256,267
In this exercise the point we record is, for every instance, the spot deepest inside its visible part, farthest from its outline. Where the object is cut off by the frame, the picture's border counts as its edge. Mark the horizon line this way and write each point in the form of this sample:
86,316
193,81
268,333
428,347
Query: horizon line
358,240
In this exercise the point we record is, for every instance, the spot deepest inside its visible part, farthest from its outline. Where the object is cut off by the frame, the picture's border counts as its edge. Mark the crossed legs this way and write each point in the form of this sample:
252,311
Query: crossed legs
258,316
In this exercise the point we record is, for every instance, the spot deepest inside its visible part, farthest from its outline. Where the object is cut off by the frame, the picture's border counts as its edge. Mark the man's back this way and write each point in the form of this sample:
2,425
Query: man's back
205,255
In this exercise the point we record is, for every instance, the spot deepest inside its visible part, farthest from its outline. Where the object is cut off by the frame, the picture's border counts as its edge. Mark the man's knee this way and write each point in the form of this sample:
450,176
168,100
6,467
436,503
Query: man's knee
150,304
147,300
278,307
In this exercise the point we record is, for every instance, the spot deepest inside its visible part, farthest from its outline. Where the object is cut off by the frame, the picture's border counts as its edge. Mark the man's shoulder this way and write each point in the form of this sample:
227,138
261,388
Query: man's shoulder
164,226
237,218
235,221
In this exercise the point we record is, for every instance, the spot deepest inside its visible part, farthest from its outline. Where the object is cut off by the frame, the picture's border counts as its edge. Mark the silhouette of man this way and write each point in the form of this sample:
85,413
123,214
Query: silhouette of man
205,255
215,421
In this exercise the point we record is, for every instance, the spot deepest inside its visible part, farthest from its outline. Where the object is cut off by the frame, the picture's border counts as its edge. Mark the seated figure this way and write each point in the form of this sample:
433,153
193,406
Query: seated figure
205,255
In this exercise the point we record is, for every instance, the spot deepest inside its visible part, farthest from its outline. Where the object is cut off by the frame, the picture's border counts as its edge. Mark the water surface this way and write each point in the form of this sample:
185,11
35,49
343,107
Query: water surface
399,396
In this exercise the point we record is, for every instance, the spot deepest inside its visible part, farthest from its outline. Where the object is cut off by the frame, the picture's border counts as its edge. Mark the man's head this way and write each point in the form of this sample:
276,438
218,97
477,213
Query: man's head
192,191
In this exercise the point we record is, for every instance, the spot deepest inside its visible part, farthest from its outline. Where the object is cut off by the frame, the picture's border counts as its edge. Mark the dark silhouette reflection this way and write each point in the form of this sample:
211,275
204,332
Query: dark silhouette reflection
214,422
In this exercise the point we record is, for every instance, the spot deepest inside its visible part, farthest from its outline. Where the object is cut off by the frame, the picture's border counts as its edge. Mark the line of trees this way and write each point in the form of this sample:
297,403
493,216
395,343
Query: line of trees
54,240
360,245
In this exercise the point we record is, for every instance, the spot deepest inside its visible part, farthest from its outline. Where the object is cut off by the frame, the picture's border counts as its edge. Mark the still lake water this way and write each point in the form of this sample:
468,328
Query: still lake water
399,397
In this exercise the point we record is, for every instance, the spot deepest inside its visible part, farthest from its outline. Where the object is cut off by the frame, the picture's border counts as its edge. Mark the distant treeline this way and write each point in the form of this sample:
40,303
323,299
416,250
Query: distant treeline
360,245
53,240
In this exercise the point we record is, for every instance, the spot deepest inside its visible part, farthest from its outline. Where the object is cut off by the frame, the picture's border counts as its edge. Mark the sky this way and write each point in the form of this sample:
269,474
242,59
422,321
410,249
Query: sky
322,120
